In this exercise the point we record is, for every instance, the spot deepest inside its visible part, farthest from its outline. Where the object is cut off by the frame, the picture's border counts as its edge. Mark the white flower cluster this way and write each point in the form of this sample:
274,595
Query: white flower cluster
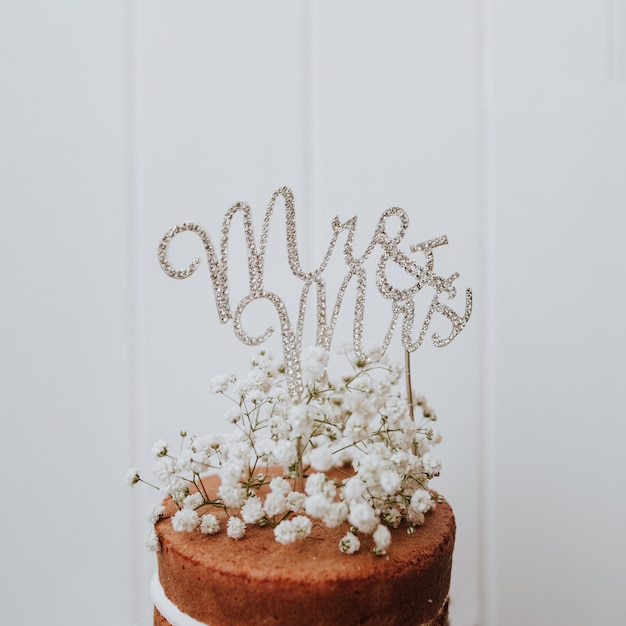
348,452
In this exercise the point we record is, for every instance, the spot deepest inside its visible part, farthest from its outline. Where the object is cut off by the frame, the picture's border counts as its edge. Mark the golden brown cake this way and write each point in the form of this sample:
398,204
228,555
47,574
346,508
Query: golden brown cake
220,581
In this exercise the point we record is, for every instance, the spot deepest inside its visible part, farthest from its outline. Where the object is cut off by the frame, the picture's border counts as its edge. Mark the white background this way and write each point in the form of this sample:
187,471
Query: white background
501,124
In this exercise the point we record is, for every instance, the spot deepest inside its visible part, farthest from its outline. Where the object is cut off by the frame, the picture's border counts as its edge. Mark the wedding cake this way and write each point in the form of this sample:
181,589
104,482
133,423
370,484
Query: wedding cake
316,508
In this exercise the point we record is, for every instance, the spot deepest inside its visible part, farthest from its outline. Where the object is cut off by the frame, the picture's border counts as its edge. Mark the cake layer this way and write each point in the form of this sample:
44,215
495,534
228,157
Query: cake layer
223,582
440,620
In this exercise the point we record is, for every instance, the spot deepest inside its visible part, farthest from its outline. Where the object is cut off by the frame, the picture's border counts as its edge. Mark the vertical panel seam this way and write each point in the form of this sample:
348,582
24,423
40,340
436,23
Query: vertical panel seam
310,88
486,211
133,293
615,37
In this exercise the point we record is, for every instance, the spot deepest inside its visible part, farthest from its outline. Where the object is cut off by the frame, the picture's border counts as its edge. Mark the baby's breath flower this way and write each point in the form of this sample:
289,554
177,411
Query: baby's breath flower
209,524
432,464
295,501
313,363
336,514
155,512
166,470
178,491
285,452
275,503
132,477
252,510
218,384
256,396
193,501
414,517
319,483
349,543
302,526
363,516
317,505
382,539
284,533
392,517
233,415
233,497
243,387
421,501
152,541
301,419
321,458
353,488
291,530
185,520
390,481
160,448
435,436
279,485
235,528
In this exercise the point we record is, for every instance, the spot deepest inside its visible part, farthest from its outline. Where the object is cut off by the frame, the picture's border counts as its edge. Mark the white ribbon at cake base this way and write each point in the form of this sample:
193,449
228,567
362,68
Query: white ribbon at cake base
167,608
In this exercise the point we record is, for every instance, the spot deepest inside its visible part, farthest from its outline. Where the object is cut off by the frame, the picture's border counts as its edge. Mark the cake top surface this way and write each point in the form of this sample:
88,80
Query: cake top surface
259,557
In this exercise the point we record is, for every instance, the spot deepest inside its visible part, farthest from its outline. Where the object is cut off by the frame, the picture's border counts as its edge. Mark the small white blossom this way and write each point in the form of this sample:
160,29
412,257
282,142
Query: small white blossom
209,524
233,415
255,396
155,512
280,485
382,539
285,452
236,528
302,526
291,530
432,464
301,419
421,501
363,516
132,477
313,363
349,544
166,470
160,448
233,497
414,518
392,517
390,481
252,510
435,436
321,458
178,491
336,514
372,350
284,533
152,541
193,501
218,384
353,488
275,503
295,501
317,505
185,520
319,483
242,388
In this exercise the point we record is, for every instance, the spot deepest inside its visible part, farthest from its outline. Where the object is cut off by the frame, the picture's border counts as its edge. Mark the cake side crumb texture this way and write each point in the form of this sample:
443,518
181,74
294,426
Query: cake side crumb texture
255,580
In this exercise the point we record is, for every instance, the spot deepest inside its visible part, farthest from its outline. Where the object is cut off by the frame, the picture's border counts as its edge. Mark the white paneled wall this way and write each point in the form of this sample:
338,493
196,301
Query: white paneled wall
501,124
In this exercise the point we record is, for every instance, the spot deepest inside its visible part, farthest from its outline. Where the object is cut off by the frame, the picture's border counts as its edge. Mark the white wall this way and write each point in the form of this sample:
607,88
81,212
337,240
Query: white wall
501,124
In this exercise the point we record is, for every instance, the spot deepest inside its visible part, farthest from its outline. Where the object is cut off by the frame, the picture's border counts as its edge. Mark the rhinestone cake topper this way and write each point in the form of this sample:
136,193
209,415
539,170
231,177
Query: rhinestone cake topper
401,300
